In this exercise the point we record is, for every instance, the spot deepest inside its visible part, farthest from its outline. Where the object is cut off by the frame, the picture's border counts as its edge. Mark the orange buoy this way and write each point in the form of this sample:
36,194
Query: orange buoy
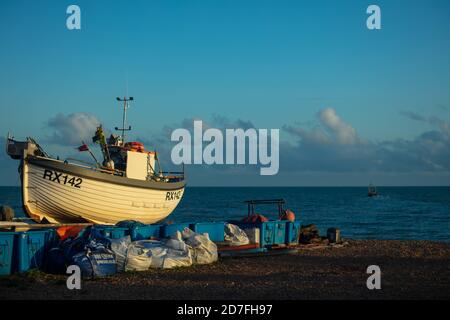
255,218
134,146
288,215
69,231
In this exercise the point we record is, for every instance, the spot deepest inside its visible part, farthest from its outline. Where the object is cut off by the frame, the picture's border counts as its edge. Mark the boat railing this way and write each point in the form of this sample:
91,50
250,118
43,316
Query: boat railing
278,202
171,175
176,175
66,161
90,164
94,167
43,153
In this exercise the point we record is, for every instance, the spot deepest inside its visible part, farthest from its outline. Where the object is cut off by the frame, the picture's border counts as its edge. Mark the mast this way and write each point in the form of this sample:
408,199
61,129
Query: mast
125,101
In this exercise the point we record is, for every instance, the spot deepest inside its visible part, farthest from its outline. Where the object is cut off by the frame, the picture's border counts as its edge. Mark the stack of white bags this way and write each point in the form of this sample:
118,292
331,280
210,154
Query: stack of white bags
180,250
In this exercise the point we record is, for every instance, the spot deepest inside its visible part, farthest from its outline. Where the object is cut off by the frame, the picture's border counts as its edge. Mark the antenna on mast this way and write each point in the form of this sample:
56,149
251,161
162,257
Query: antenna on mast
125,101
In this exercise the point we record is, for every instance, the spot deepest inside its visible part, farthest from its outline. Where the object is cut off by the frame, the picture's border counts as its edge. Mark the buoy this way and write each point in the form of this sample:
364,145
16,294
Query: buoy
288,215
135,146
255,218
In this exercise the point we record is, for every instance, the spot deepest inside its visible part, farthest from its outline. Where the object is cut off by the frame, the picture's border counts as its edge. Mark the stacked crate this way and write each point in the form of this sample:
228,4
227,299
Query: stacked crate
6,252
277,232
22,251
169,230
112,232
149,231
215,230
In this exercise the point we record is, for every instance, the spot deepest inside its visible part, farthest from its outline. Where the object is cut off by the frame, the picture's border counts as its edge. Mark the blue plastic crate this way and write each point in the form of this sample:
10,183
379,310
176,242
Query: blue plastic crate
31,248
280,232
266,230
6,252
168,230
215,230
146,232
112,232
293,232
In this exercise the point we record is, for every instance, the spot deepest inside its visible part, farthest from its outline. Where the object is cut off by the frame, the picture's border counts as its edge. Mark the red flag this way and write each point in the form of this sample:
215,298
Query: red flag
83,147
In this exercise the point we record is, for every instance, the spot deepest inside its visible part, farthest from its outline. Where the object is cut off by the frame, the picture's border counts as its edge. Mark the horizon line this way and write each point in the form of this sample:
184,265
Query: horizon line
325,186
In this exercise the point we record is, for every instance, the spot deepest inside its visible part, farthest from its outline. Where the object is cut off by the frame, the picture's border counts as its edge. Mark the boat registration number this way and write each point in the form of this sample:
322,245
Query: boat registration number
61,178
173,195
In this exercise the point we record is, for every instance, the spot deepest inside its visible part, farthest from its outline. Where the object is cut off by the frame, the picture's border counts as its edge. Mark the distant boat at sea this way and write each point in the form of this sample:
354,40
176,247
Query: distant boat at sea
372,192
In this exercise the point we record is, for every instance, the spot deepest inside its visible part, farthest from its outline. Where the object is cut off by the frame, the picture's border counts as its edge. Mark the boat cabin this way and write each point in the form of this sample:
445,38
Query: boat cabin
132,159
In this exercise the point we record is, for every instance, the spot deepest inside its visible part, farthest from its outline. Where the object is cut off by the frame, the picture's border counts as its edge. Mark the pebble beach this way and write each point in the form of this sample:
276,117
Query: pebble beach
409,270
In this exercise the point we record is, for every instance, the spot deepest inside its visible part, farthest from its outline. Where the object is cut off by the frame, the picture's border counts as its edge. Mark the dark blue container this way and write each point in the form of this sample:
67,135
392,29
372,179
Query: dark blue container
31,248
293,232
146,232
215,230
168,230
6,252
112,232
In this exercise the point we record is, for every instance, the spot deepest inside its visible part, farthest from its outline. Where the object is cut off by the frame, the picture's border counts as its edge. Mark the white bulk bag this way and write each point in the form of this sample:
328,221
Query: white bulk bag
158,255
235,236
204,251
137,259
139,255
120,248
177,258
170,254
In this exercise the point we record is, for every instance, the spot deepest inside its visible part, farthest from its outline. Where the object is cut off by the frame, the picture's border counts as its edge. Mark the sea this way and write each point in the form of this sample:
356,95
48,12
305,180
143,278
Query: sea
401,213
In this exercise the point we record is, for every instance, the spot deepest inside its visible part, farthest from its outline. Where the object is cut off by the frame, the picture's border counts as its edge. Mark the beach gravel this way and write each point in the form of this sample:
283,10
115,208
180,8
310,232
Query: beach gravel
409,270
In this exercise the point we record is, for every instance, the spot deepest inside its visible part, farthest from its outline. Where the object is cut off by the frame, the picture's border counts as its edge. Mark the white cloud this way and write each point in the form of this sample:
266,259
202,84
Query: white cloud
322,151
344,133
334,146
73,128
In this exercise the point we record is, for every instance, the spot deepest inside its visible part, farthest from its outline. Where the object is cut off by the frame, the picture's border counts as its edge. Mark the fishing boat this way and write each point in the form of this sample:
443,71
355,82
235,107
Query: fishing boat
372,191
126,185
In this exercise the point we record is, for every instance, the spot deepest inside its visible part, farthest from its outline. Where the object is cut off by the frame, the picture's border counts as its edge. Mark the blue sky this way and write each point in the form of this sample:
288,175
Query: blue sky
274,63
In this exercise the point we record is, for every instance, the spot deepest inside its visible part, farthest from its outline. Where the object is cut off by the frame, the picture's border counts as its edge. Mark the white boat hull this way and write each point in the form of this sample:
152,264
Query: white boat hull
64,199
